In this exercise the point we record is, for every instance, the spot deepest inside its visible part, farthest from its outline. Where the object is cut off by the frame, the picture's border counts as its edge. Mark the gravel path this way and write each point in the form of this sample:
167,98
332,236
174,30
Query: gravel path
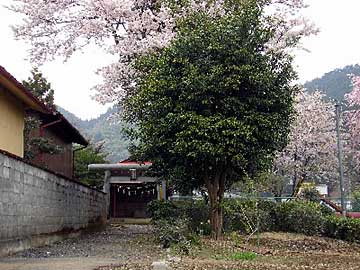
117,244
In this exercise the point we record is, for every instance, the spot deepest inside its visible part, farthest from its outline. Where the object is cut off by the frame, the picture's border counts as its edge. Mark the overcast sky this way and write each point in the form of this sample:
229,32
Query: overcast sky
337,45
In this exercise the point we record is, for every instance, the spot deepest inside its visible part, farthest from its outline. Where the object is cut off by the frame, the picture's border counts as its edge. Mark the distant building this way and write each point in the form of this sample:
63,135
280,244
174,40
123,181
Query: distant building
128,189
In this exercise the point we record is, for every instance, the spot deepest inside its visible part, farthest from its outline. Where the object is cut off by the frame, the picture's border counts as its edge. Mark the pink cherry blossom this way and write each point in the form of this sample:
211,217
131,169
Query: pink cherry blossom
311,154
353,123
127,28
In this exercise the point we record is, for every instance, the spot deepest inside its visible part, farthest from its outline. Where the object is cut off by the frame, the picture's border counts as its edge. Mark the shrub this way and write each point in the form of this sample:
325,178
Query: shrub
300,217
175,221
356,201
169,233
343,228
326,211
244,215
163,210
198,214
309,192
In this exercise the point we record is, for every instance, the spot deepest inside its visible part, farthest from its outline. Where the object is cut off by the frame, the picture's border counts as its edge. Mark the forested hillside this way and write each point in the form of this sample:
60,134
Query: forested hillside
335,84
103,129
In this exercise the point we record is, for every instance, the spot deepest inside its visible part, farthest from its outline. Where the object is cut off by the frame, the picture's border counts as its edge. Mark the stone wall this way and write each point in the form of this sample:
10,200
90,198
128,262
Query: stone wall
35,203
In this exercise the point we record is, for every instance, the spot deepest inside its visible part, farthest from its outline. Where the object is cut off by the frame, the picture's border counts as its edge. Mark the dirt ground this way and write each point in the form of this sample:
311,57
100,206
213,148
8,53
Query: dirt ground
133,247
117,244
274,251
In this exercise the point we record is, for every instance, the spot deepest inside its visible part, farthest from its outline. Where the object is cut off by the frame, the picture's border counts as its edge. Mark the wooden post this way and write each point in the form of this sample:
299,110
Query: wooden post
163,188
114,202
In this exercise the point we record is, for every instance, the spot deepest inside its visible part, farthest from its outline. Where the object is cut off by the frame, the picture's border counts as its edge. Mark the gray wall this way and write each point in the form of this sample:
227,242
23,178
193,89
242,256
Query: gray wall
36,202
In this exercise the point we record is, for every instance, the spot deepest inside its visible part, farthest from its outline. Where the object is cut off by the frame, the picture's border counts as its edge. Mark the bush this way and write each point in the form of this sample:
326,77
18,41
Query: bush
300,217
326,211
309,192
356,201
176,222
244,215
163,210
347,229
169,232
196,212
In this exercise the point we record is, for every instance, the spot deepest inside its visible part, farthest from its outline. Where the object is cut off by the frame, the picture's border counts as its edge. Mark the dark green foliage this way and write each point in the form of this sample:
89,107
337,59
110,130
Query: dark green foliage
196,212
343,228
198,215
163,210
356,201
85,156
215,101
326,211
310,193
300,217
335,84
40,88
214,95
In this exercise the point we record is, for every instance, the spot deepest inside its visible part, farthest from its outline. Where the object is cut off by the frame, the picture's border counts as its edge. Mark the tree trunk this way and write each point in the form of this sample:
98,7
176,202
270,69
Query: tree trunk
216,188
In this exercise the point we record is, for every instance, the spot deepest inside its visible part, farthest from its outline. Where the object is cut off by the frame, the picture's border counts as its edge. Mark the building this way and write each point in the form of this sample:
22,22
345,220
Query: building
15,99
57,129
17,102
128,189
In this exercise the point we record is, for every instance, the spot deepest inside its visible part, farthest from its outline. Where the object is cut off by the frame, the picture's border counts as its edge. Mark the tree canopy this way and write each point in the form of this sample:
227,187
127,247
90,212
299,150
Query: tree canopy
93,154
33,143
217,101
40,88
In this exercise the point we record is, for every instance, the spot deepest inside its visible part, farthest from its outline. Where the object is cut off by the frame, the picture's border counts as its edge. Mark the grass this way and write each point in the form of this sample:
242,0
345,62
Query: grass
237,256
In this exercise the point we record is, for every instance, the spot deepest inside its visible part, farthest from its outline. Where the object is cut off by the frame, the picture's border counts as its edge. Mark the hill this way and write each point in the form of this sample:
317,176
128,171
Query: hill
335,84
103,129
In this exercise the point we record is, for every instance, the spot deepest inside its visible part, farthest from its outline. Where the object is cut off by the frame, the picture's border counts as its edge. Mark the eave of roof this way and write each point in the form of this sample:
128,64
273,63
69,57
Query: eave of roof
17,89
77,137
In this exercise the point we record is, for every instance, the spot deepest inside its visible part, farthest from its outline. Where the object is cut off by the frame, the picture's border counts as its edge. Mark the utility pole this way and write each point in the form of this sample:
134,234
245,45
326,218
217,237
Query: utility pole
341,170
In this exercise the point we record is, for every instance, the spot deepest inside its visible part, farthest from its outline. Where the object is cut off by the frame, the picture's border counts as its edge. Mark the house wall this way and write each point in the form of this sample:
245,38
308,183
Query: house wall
61,163
11,124
37,207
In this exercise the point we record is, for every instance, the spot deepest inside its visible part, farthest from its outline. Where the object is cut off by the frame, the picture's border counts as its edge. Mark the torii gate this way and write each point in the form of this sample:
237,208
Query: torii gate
114,175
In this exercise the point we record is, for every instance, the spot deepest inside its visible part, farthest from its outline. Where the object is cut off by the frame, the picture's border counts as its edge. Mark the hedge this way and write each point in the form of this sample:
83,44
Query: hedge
245,215
343,228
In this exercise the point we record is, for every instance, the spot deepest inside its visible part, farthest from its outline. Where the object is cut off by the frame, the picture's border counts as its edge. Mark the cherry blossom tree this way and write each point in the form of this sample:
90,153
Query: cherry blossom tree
311,153
353,124
128,28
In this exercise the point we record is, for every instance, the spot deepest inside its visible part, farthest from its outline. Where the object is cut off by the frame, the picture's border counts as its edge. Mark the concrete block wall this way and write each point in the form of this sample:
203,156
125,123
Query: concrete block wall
36,202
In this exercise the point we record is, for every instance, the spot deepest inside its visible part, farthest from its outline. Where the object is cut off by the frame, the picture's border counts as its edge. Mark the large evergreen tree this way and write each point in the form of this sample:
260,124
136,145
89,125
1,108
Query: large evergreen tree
34,144
40,88
217,101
